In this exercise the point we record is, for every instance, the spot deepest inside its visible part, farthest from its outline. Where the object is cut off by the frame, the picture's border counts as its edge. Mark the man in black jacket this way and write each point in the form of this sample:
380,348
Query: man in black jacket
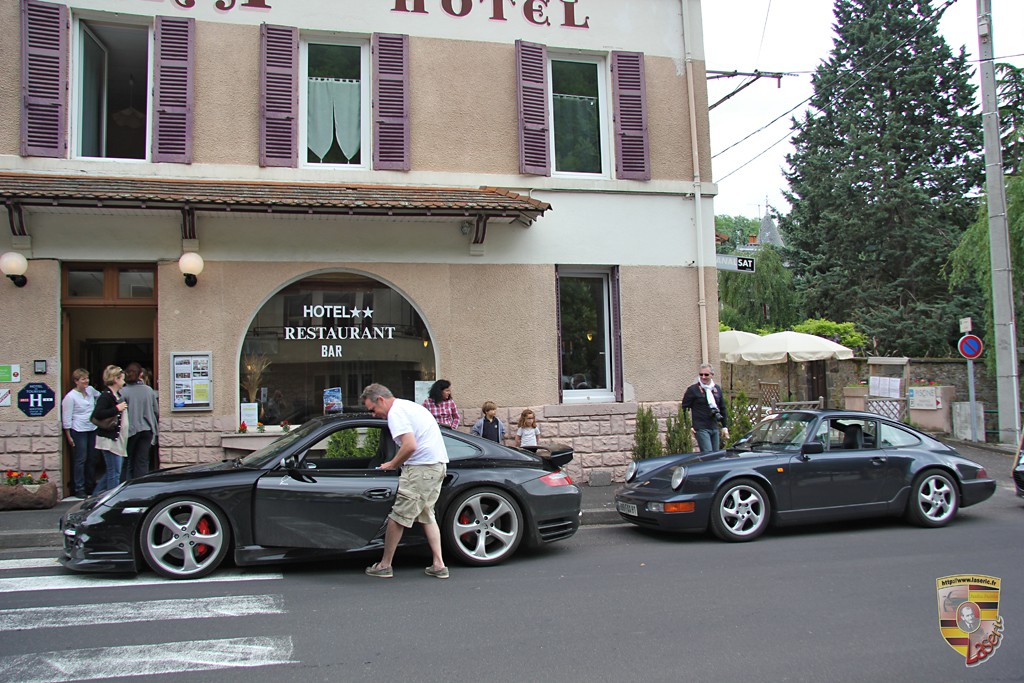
706,403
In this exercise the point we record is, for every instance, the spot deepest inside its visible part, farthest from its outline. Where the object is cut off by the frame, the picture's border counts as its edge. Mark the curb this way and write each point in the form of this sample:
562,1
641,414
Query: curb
594,517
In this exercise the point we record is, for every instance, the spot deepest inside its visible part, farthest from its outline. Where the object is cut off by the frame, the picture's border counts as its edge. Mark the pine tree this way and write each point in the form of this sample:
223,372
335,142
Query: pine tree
884,178
678,432
646,442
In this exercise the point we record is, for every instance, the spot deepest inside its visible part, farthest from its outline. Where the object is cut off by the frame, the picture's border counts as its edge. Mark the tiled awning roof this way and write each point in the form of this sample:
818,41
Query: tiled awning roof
37,189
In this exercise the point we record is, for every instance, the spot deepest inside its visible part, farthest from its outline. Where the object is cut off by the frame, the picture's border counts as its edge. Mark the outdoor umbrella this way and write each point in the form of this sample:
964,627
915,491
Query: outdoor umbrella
787,347
731,340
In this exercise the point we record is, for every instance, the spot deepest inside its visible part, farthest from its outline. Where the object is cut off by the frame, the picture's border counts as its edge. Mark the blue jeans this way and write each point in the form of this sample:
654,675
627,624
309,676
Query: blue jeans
708,440
112,477
83,462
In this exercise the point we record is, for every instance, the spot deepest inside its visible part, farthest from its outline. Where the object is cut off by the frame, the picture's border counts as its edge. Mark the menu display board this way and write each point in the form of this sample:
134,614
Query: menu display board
191,378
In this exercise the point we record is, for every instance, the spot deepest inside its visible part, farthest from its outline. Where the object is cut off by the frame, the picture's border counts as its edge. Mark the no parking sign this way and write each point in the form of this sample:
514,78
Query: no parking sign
970,346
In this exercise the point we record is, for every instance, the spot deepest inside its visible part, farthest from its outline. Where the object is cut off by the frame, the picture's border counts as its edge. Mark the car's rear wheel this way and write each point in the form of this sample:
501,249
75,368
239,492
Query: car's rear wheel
741,511
184,538
483,526
933,499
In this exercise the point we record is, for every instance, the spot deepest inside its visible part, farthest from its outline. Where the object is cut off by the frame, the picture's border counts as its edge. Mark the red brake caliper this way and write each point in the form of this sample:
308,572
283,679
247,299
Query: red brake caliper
204,528
465,518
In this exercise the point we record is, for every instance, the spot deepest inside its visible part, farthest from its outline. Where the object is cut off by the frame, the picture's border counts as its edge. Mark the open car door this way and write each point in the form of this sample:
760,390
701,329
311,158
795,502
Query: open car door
330,496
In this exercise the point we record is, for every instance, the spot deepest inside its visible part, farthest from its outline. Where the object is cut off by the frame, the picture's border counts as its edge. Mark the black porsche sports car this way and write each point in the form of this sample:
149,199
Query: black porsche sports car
805,467
316,492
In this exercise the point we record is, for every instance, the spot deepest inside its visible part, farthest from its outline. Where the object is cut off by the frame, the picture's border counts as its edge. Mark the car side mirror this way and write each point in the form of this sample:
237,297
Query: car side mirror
812,448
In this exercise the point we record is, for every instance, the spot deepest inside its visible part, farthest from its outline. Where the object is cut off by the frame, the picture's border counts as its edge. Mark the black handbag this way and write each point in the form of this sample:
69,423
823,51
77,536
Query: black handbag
105,423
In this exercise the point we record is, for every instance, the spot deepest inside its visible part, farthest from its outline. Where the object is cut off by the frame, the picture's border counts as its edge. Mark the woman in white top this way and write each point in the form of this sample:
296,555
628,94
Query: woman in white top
80,433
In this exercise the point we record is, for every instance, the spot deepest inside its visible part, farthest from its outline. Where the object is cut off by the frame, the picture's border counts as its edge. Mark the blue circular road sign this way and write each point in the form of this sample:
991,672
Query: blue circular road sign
970,346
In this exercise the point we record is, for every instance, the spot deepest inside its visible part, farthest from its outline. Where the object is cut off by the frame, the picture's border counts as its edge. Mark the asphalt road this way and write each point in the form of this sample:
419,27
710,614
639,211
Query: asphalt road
850,602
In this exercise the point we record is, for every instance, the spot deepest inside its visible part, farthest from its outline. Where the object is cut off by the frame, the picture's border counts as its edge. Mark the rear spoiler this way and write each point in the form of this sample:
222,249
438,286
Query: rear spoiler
558,454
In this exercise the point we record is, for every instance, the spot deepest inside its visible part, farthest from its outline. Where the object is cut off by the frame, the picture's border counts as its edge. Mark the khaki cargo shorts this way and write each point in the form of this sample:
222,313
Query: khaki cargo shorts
418,489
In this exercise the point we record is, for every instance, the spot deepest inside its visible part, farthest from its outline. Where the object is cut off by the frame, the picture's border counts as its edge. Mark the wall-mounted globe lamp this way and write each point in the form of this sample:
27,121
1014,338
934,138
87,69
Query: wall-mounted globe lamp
14,265
191,265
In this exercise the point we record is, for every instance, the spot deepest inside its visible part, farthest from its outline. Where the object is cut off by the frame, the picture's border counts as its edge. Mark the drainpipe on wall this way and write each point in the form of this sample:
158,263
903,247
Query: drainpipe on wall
702,303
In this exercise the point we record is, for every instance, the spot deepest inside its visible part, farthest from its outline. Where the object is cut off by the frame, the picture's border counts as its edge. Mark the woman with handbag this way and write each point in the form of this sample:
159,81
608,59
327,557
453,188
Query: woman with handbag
111,419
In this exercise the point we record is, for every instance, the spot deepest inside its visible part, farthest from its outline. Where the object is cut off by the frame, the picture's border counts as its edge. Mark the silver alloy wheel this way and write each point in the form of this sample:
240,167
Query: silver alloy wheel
184,539
936,497
486,526
742,510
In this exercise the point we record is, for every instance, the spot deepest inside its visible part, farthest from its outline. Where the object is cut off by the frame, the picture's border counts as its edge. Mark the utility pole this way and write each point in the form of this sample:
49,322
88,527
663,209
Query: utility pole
1007,386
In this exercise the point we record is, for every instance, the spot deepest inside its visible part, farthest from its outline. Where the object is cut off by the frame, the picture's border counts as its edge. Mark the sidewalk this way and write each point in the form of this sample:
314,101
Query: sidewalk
23,529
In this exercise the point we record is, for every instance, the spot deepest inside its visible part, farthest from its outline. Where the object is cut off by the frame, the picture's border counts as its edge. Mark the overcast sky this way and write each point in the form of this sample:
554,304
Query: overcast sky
797,35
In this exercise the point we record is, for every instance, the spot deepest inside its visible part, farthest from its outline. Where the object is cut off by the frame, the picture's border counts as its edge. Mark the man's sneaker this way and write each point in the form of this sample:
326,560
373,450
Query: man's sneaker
441,573
380,572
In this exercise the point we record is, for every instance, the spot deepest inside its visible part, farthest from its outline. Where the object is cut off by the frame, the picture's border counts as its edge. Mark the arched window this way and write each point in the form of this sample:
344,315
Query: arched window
331,332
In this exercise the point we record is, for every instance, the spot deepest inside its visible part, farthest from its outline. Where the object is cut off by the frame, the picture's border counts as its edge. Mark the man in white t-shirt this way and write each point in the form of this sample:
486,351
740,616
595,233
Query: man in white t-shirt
423,459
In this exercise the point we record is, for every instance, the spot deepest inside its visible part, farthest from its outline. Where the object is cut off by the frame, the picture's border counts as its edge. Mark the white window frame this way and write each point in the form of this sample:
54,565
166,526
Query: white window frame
365,93
606,394
604,117
77,78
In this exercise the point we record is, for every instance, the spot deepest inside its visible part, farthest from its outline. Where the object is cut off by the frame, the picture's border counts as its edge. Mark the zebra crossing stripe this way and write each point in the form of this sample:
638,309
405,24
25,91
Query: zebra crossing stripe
30,563
146,660
72,581
128,612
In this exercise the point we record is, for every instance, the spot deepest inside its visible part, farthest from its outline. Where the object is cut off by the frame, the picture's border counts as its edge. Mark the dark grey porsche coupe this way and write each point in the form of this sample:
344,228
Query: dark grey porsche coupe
805,467
316,492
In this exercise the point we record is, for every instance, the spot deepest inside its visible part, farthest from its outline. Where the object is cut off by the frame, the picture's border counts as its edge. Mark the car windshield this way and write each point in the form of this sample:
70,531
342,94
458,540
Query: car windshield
259,459
783,432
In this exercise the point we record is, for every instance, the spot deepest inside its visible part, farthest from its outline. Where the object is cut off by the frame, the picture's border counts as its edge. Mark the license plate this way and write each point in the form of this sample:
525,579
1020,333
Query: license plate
626,508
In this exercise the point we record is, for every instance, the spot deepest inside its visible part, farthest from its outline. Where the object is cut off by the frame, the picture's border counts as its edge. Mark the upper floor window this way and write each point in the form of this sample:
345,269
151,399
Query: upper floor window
577,111
336,104
112,87
564,109
123,89
344,86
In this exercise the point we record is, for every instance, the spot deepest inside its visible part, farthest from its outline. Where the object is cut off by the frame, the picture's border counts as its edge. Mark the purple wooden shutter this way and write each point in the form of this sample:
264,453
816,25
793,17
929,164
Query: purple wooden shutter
532,96
279,95
616,306
172,90
44,79
632,151
391,102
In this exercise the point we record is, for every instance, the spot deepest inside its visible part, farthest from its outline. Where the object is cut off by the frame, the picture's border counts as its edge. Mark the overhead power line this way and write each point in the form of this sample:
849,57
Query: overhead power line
863,74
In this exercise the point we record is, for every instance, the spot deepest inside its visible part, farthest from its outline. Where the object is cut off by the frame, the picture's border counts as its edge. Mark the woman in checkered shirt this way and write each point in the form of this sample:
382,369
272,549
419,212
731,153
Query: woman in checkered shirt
441,404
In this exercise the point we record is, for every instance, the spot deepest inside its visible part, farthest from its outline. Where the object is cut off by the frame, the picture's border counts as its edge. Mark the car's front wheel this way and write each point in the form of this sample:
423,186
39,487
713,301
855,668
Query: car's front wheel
741,511
483,526
933,499
184,538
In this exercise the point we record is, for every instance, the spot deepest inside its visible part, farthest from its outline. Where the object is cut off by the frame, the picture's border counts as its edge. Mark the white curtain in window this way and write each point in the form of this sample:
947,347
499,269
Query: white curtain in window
333,112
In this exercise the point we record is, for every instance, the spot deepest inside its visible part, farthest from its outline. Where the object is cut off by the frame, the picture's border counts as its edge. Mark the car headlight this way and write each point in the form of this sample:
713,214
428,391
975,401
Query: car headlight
110,494
678,476
631,470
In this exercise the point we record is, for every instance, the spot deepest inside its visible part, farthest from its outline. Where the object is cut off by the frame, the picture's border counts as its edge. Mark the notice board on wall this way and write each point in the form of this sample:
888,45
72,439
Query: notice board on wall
192,381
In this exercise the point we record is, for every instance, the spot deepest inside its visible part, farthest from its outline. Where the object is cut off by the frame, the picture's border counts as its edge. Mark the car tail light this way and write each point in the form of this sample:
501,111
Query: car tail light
557,479
982,474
